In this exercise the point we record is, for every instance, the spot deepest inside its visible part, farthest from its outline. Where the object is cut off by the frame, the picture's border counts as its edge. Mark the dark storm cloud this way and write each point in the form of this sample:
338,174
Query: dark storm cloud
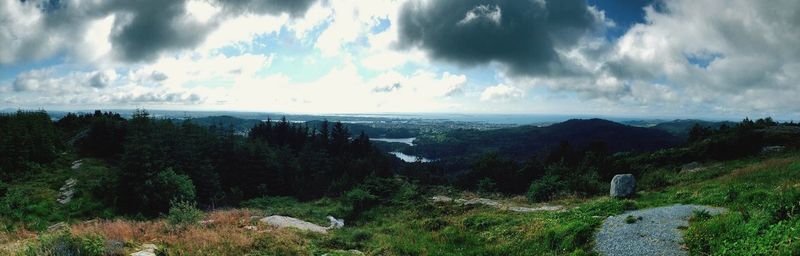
99,80
522,34
143,29
150,27
292,7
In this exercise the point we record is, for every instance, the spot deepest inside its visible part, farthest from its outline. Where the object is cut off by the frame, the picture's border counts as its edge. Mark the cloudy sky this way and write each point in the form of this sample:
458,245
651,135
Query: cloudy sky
724,58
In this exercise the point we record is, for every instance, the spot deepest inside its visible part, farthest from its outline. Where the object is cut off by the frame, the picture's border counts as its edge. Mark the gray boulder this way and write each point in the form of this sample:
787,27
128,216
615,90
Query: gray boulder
772,149
623,185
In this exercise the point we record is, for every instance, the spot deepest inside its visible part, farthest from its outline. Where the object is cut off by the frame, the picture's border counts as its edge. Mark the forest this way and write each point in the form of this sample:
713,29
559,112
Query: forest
143,167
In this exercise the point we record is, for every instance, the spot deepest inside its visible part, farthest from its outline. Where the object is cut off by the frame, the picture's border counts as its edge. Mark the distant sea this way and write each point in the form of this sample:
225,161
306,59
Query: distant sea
512,119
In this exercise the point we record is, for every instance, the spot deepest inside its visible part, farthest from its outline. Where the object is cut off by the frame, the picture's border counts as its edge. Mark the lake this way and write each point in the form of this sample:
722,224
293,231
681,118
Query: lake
407,141
409,158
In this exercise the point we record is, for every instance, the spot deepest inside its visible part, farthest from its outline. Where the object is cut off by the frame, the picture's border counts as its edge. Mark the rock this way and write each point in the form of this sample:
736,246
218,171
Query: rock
251,228
147,250
58,227
115,247
691,167
343,252
284,222
143,253
483,201
537,209
149,247
76,164
206,222
772,149
67,191
623,185
496,204
335,223
653,231
441,199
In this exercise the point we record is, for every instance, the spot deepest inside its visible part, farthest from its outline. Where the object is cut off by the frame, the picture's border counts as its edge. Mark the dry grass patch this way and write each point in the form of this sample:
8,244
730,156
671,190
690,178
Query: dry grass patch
223,234
768,165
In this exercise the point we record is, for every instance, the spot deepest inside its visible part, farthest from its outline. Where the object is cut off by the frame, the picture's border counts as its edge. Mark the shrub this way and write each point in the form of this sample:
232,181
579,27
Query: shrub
700,215
359,200
285,244
630,219
183,214
654,180
64,244
487,185
545,188
163,188
31,205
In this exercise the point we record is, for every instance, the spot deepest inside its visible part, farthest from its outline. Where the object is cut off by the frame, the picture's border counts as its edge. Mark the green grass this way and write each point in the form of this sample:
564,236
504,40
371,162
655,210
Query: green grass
761,193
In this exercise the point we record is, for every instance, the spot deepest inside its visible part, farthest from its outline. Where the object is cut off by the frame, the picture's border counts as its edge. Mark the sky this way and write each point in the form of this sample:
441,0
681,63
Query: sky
682,58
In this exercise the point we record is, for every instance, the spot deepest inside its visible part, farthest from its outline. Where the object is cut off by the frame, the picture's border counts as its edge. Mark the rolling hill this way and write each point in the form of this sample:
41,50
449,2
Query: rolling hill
524,141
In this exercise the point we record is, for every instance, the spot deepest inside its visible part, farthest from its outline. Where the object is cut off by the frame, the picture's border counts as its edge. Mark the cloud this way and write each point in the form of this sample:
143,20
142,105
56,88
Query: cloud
128,31
100,80
492,14
158,76
501,93
143,29
49,81
274,7
388,88
525,36
744,59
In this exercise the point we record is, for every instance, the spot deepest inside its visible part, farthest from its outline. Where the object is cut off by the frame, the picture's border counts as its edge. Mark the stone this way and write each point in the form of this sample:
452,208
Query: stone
289,222
147,250
67,191
251,228
691,167
772,149
623,185
481,201
441,199
58,227
76,164
335,223
547,208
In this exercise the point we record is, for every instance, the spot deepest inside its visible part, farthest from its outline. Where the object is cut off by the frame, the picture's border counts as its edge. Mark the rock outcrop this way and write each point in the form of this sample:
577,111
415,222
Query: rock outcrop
492,203
147,250
285,221
66,192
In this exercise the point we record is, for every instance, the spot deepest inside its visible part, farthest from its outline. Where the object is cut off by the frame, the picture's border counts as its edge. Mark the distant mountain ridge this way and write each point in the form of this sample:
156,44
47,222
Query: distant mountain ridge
524,141
681,127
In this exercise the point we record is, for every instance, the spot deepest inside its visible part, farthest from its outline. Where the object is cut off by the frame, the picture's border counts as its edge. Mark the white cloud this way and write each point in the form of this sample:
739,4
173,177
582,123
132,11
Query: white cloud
501,93
490,13
751,44
21,34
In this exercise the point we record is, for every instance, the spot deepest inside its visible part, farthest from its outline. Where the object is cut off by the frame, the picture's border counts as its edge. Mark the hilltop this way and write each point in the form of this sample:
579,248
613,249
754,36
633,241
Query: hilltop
100,184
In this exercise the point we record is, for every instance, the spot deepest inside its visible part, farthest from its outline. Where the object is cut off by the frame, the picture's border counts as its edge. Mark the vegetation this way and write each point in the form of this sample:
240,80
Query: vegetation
196,189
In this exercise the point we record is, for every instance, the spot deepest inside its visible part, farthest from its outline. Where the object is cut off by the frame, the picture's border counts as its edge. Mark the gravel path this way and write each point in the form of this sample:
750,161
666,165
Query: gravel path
656,233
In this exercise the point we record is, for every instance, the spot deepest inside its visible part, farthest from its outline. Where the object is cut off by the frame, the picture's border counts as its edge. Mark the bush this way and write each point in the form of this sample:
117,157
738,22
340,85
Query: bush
654,180
31,205
545,188
64,244
487,185
183,214
287,244
359,200
165,187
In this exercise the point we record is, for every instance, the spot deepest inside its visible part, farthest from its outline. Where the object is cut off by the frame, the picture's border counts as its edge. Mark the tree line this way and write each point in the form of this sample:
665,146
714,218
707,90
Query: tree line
156,161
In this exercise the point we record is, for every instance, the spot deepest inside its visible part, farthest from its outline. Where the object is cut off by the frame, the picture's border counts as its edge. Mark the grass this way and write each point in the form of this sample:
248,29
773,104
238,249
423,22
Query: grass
761,193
